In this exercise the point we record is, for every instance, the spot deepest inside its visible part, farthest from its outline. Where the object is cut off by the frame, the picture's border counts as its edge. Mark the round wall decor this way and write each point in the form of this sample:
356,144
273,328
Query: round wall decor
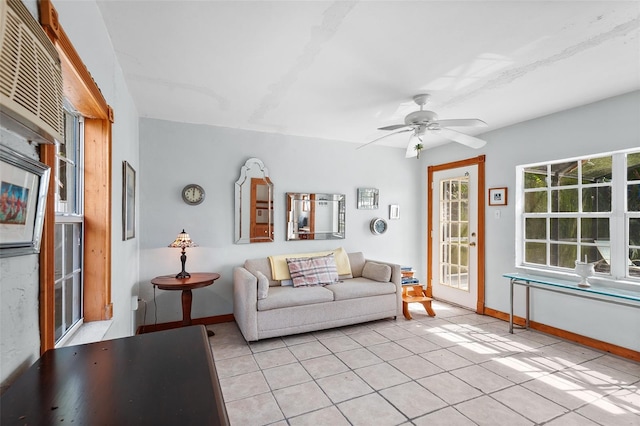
193,194
378,226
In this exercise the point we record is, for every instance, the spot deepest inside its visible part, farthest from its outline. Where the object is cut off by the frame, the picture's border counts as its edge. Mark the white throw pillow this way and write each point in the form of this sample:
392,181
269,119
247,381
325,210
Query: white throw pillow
263,285
377,272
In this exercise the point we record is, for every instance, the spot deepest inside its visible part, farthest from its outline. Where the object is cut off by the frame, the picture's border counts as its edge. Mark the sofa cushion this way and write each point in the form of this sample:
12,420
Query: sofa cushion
377,272
285,297
309,271
356,260
359,287
263,285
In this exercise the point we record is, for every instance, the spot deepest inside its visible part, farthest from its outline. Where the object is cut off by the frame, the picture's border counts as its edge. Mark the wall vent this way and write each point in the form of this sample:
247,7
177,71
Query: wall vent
30,77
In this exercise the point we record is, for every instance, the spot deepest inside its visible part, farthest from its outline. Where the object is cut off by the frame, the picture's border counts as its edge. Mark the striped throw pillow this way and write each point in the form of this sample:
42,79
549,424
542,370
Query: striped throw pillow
310,271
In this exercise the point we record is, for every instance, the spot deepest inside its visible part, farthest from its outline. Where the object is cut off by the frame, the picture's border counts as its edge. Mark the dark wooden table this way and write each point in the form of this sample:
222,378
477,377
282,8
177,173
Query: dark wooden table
162,378
197,280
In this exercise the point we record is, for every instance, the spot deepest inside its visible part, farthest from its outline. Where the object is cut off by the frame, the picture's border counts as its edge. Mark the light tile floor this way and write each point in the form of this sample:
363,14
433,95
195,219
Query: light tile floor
458,368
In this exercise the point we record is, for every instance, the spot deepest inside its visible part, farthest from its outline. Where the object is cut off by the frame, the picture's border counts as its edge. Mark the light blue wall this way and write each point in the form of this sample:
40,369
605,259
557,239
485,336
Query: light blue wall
175,154
612,124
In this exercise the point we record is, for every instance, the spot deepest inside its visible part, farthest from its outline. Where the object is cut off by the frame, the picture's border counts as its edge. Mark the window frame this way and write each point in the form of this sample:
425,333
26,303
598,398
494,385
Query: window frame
72,214
83,93
618,217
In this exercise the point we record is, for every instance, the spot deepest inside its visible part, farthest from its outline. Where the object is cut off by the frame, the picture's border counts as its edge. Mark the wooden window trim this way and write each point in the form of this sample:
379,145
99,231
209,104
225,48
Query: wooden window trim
84,94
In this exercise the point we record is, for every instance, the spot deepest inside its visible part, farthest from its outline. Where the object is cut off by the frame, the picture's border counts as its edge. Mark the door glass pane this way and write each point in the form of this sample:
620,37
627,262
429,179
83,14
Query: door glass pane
454,233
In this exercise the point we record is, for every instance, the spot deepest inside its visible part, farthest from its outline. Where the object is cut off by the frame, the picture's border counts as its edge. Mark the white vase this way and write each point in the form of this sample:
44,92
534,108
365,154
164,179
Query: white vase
584,270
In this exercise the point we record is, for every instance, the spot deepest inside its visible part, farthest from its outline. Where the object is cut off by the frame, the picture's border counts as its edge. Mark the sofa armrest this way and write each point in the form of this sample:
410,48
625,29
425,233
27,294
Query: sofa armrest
396,278
245,302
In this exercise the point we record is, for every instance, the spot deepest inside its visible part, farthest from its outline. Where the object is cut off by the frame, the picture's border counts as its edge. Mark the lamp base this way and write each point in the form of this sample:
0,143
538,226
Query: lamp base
183,260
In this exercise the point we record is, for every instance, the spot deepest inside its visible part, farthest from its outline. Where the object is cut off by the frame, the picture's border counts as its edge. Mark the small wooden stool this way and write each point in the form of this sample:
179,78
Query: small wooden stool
415,294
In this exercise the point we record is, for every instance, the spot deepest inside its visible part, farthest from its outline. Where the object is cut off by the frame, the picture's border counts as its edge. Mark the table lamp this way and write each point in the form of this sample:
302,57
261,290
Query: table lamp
183,241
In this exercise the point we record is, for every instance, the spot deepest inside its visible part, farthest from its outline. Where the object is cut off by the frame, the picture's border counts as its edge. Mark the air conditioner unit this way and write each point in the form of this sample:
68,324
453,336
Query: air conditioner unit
30,77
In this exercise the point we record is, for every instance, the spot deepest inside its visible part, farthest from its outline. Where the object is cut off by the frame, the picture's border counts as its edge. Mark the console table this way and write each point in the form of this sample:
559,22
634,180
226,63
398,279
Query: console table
162,378
595,292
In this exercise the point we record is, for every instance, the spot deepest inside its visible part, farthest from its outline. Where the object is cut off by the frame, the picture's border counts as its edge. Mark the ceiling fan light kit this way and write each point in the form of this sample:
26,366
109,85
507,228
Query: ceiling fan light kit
422,121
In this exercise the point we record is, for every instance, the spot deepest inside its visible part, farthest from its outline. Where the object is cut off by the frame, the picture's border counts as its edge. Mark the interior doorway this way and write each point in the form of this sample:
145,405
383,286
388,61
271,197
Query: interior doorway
455,233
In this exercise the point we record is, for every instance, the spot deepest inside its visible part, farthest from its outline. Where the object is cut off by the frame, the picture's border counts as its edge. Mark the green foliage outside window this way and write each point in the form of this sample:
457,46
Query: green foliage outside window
568,209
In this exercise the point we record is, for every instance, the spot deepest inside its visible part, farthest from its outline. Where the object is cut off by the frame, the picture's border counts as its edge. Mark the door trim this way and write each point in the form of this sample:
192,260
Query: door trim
479,161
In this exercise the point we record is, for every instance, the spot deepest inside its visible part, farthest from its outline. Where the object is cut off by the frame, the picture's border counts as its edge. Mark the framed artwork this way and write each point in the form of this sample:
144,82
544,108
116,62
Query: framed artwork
368,198
394,212
128,201
498,196
23,194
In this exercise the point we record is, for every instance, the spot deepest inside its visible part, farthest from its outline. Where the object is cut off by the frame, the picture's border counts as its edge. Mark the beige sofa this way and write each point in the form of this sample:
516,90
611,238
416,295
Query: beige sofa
282,310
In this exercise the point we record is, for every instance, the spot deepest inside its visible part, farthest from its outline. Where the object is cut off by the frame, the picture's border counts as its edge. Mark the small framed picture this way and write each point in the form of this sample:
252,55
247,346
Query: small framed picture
128,201
24,183
394,212
498,196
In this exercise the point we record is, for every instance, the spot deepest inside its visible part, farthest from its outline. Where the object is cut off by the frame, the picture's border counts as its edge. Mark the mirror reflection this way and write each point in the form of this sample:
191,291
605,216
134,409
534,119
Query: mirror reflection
315,216
254,204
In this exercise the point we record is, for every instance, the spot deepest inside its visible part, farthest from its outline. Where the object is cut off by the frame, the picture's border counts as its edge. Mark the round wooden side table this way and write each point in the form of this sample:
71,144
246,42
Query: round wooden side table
196,280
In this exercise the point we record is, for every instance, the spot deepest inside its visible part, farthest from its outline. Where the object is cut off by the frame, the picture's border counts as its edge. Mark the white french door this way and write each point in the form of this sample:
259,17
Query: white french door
455,230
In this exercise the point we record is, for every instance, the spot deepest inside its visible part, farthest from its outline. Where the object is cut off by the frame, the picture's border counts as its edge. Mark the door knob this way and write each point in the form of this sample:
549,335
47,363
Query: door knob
472,244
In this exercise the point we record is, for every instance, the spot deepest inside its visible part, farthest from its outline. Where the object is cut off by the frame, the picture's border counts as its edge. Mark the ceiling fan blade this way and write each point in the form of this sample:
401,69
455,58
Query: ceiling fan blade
385,136
467,140
394,127
462,122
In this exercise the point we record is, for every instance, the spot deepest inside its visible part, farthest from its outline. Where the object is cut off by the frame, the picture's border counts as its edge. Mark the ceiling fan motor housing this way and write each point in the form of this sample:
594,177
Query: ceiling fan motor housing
421,117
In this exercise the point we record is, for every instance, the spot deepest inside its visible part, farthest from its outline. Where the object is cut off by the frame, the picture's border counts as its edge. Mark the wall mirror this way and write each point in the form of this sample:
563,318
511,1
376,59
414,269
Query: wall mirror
254,204
315,216
368,198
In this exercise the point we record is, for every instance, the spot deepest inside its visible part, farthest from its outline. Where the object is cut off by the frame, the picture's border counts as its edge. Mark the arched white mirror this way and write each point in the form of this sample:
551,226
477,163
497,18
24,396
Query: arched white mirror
254,204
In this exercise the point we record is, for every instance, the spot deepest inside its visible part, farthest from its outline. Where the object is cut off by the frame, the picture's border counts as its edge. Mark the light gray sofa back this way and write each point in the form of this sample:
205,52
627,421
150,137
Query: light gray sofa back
262,264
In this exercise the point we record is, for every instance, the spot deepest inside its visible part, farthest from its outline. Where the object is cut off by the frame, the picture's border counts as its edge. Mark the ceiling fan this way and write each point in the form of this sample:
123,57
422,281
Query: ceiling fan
423,121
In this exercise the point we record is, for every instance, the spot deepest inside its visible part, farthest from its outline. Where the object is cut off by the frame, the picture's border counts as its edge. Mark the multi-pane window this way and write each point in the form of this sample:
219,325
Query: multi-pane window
68,227
585,209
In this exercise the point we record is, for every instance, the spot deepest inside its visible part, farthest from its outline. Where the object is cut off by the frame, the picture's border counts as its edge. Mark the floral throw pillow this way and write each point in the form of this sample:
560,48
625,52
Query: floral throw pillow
310,271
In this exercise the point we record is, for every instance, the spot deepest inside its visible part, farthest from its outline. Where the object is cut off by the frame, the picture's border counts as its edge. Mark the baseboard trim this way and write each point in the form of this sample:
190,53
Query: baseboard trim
568,335
148,328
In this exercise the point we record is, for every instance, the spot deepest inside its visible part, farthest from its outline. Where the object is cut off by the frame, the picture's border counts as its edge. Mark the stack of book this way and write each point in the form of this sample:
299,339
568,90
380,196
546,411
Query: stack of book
407,276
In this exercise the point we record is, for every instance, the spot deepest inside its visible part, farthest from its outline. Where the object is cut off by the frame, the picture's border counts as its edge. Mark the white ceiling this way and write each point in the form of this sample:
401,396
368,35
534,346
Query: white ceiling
339,70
